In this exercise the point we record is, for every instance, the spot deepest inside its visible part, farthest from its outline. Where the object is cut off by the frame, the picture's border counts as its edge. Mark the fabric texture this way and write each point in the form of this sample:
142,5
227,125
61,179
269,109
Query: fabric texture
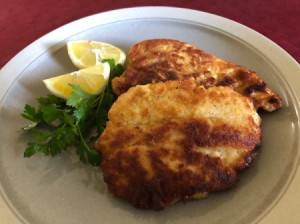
23,21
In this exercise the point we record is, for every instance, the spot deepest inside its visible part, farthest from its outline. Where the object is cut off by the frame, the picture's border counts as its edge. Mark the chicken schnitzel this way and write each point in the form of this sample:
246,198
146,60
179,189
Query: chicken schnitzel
175,141
159,60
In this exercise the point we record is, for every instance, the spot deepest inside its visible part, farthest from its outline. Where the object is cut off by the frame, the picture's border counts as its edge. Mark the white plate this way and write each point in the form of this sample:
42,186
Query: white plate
63,190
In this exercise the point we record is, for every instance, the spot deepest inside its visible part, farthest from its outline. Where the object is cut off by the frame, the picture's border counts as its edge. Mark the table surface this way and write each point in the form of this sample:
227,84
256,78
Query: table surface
24,21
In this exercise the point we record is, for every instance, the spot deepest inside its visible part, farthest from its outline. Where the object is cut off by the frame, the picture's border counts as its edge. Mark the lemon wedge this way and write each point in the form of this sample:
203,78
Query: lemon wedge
84,53
93,80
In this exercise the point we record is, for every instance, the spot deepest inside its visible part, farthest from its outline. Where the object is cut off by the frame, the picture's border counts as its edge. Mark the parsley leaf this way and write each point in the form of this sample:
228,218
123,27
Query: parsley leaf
58,125
30,113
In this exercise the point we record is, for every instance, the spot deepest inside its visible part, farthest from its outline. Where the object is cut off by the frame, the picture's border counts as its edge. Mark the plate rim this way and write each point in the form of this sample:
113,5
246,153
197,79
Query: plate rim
17,64
249,36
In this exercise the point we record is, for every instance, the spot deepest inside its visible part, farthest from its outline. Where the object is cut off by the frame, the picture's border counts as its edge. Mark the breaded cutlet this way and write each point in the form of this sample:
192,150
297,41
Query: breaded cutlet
176,141
160,60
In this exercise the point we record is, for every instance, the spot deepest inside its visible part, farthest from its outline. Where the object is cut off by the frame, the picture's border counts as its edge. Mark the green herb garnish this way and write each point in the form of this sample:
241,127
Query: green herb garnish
58,125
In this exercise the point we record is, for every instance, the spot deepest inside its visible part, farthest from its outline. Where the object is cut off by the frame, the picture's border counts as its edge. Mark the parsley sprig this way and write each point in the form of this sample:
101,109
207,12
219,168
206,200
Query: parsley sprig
57,124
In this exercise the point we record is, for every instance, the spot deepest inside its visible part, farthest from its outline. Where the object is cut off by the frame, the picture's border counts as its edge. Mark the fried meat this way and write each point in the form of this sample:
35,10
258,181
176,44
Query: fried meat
159,60
175,141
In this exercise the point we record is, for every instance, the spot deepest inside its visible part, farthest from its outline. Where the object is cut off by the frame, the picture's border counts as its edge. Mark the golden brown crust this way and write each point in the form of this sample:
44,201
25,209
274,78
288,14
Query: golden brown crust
159,60
127,178
172,141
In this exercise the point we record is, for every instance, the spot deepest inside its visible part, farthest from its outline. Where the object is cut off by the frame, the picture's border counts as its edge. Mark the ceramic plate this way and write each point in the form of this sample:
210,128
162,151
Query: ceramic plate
63,190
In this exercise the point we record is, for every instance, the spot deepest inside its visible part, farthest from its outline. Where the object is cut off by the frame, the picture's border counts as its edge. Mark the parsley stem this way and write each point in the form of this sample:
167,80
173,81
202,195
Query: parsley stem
82,139
100,101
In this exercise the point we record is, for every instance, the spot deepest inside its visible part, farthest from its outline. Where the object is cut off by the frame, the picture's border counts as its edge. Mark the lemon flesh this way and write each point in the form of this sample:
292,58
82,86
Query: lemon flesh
93,80
84,53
